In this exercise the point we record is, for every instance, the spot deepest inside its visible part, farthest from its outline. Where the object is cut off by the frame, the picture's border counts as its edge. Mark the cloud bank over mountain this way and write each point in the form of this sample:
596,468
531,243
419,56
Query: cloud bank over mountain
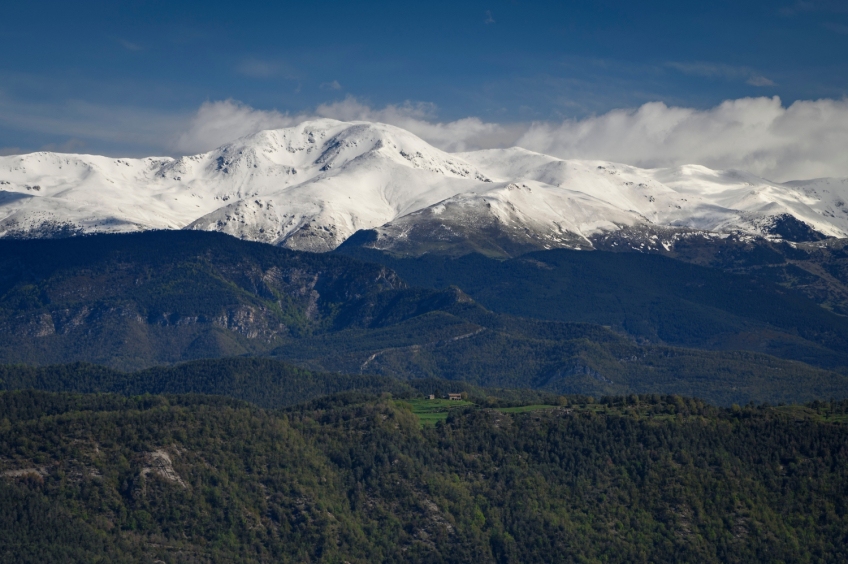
759,135
805,139
216,123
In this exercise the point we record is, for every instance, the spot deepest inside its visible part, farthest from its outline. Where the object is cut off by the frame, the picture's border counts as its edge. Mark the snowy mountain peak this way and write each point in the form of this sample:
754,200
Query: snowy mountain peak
313,185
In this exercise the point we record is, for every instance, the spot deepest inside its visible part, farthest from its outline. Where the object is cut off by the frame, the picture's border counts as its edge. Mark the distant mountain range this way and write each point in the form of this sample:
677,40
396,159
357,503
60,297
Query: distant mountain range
311,187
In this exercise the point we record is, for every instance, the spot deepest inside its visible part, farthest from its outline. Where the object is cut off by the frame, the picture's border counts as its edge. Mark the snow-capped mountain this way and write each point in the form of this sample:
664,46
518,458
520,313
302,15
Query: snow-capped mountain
312,186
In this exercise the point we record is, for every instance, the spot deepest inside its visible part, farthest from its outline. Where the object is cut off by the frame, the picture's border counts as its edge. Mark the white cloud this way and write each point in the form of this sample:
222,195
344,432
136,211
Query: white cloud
759,80
803,140
129,45
334,85
760,135
489,19
216,123
420,119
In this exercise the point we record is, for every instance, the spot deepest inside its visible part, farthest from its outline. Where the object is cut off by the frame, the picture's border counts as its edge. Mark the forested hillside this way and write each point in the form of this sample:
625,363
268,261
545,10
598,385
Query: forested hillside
350,478
495,350
573,366
263,382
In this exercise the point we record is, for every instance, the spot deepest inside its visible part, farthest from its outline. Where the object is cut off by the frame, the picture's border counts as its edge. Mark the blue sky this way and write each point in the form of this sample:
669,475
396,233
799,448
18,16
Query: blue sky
125,77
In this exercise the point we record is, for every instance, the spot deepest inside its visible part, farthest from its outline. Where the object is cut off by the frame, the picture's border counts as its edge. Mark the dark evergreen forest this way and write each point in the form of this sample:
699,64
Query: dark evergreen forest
357,478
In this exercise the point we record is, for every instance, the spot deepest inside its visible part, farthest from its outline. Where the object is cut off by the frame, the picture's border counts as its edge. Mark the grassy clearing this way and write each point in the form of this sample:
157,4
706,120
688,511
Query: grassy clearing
525,408
429,412
801,412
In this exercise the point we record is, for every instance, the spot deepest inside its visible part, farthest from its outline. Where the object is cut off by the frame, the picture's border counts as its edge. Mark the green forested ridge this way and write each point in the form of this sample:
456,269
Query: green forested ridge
577,366
629,479
650,297
264,382
466,342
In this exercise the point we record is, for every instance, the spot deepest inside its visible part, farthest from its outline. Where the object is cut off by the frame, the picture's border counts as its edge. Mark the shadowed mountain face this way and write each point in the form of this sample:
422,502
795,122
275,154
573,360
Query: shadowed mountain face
650,297
134,301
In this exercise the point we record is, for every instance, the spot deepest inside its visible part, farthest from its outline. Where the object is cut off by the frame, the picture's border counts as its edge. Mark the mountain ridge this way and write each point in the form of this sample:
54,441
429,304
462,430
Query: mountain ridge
312,186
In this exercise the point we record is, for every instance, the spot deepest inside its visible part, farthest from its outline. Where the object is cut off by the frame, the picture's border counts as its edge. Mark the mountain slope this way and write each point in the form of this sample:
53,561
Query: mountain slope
652,298
312,186
139,300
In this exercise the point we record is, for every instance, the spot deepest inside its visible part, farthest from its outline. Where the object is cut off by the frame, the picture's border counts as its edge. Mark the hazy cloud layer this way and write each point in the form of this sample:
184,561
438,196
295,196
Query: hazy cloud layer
460,135
760,135
129,45
716,70
216,123
805,6
837,27
142,130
